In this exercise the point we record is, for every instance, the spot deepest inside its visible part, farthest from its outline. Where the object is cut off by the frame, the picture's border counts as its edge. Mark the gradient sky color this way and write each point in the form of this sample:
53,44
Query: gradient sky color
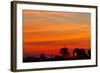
48,31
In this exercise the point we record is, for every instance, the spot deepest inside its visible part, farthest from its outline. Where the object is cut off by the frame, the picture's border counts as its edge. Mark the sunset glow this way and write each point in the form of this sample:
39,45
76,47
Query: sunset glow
48,31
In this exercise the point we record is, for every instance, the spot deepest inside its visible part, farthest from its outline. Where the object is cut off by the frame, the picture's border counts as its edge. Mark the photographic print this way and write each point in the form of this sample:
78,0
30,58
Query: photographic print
53,36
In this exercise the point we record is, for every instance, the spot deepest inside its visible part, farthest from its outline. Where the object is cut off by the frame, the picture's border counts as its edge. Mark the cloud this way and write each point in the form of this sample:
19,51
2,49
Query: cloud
49,25
57,17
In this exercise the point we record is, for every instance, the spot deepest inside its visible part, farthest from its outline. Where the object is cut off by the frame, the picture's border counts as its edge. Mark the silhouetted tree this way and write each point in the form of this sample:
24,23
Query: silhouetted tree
76,52
79,53
64,52
42,56
83,53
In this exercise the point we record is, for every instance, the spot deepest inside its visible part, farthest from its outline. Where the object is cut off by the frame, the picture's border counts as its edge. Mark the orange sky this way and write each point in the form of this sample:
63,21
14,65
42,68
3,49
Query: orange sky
48,31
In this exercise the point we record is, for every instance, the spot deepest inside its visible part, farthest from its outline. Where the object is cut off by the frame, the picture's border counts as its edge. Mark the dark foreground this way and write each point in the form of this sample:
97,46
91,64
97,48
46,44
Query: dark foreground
78,54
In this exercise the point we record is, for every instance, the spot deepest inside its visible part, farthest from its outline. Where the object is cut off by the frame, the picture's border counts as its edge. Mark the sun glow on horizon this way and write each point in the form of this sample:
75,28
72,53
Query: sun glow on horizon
47,31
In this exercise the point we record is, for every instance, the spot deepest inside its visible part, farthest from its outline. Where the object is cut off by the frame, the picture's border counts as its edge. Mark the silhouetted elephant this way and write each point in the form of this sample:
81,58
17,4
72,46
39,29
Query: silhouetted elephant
64,52
79,53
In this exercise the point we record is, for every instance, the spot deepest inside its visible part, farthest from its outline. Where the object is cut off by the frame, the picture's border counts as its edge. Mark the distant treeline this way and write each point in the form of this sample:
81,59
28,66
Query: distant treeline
78,53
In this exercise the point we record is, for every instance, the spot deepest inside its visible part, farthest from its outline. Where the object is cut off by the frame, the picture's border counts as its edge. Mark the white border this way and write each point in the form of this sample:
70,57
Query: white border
35,65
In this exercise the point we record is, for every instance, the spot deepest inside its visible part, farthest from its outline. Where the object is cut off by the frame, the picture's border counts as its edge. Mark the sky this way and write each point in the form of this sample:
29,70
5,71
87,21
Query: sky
48,31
